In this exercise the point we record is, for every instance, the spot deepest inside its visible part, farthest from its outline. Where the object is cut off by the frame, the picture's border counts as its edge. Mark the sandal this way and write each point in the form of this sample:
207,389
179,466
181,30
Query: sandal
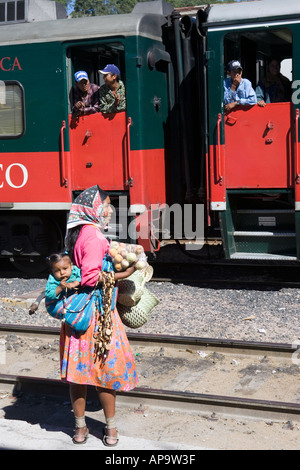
83,435
107,437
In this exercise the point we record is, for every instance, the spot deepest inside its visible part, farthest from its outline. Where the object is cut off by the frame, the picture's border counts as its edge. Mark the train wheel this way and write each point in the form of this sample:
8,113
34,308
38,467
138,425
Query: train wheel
30,265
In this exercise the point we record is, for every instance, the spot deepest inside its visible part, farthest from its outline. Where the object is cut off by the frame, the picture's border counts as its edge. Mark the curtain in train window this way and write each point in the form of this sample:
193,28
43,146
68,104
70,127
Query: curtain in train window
12,122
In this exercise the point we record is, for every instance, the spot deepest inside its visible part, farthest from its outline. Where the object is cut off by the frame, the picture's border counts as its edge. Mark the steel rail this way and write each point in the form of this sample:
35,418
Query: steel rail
192,402
170,340
183,401
230,282
230,275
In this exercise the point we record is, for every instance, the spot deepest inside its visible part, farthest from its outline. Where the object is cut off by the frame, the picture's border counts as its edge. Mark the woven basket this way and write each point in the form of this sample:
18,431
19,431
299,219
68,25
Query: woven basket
132,288
139,314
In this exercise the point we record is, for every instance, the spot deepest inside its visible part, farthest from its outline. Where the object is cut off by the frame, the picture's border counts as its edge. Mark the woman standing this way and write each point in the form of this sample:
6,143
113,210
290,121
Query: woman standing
80,363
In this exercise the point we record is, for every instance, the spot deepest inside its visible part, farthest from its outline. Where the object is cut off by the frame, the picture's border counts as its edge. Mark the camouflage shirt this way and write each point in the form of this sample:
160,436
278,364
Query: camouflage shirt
107,99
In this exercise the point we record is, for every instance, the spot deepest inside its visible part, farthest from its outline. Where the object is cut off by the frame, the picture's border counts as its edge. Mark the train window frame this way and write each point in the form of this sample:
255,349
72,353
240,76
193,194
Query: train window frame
21,109
94,76
255,68
13,11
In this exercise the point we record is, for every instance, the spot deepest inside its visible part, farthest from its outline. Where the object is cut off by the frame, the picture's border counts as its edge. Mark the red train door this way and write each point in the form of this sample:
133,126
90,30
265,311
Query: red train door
98,142
98,151
258,152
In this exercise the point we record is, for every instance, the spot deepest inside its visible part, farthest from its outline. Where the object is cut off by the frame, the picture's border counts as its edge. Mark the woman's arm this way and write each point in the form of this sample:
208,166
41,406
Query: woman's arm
120,275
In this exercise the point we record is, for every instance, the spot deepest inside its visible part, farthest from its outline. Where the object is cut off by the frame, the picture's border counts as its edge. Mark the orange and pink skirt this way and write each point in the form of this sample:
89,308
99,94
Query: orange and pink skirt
78,363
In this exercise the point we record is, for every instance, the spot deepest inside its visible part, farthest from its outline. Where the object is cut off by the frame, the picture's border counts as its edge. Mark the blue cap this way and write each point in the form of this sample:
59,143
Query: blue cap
234,65
80,76
111,68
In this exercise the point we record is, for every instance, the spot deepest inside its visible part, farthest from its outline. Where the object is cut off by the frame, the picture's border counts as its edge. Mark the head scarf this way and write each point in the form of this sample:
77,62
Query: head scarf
87,208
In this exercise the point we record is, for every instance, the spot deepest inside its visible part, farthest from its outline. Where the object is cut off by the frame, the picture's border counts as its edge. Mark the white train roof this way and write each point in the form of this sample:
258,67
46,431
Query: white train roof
148,25
253,9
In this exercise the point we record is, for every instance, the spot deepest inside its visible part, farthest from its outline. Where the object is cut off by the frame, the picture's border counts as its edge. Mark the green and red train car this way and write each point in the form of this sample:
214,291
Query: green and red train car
174,144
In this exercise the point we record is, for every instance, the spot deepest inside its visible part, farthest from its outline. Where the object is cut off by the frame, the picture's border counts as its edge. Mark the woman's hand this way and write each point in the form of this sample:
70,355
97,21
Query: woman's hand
124,274
119,275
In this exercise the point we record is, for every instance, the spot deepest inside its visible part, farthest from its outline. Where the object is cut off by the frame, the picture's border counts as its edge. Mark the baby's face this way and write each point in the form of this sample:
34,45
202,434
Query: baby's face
62,269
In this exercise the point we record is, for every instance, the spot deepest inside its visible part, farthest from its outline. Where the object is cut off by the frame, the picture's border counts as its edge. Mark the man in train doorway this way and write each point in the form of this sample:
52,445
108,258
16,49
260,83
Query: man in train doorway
237,90
112,93
85,95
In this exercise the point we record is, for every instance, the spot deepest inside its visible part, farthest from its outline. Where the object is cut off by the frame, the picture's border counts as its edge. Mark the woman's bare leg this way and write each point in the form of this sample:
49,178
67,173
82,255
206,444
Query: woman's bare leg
78,400
108,401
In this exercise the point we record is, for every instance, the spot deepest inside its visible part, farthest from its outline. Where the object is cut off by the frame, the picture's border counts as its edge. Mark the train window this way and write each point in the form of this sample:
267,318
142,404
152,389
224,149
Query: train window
95,57
255,47
12,11
20,11
2,12
12,119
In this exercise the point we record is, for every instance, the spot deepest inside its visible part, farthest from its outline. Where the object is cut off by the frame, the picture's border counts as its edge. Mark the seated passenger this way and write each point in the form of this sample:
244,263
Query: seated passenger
112,94
237,90
274,87
85,95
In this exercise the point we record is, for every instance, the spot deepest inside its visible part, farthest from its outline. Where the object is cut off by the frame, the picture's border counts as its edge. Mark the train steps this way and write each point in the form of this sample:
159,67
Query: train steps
266,233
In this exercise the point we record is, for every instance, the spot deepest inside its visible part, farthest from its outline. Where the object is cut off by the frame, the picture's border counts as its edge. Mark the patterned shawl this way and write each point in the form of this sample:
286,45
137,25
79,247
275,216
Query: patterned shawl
87,208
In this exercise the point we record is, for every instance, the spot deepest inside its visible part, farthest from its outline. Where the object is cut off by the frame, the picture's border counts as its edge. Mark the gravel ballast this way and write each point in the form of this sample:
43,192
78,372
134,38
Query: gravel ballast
207,311
262,314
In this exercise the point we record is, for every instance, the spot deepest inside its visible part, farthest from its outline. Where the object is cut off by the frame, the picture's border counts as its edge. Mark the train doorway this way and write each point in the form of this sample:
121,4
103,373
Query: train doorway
260,214
97,139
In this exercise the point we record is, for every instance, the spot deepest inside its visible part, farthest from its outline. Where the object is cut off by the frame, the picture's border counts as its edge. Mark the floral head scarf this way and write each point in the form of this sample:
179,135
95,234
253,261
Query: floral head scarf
88,208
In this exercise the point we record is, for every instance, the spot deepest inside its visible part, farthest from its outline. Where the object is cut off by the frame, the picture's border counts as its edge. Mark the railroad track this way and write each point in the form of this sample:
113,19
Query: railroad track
228,274
212,272
184,373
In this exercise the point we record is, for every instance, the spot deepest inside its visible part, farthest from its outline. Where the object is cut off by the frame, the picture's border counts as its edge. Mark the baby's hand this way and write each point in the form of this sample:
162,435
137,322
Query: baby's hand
72,285
63,284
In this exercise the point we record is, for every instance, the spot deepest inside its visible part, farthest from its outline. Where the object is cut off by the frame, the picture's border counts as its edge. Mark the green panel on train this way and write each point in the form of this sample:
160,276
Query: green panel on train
147,100
42,76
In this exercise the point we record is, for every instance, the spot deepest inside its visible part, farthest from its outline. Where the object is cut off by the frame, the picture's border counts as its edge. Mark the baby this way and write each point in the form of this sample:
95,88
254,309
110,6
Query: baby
64,275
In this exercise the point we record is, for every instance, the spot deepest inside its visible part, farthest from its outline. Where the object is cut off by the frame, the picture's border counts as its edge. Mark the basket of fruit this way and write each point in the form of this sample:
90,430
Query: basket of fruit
124,255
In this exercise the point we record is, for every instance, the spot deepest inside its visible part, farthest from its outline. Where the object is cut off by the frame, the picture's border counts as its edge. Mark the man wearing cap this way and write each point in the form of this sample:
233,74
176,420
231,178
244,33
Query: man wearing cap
237,90
112,94
85,95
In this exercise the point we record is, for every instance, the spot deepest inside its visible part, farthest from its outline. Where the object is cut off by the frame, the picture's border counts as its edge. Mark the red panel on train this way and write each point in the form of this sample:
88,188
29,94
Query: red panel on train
258,143
32,178
98,150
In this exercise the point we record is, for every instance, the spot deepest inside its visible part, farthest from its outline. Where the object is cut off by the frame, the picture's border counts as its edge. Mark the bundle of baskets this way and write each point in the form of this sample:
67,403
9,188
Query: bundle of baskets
135,301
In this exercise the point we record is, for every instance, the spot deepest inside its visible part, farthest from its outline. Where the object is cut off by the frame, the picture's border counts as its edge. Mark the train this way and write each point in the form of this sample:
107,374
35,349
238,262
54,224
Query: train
175,155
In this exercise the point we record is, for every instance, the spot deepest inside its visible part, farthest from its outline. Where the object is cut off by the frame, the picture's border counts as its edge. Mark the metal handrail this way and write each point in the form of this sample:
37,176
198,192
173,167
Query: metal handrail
220,177
129,181
64,180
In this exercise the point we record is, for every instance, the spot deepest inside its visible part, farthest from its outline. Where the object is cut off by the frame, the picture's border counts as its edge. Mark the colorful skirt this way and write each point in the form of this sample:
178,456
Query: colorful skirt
78,363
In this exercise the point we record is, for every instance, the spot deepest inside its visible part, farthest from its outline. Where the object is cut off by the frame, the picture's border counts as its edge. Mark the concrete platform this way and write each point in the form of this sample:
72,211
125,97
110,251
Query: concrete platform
36,422
20,435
